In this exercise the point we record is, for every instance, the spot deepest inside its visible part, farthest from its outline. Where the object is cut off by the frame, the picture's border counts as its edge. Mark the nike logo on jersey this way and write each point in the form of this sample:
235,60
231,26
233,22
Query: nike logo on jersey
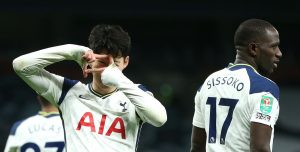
82,97
123,105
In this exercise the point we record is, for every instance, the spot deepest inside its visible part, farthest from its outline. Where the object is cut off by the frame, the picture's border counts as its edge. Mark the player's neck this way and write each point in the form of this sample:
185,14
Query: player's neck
243,58
49,109
102,89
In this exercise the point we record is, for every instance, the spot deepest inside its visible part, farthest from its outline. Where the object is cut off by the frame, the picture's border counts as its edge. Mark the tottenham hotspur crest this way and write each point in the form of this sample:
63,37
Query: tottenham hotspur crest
123,105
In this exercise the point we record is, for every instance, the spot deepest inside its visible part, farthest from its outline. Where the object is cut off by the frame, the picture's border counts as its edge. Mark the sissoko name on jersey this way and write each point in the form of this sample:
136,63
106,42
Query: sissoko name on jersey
230,81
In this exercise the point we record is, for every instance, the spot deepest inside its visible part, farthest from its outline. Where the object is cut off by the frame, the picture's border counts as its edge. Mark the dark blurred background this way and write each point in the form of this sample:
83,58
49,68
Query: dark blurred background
176,44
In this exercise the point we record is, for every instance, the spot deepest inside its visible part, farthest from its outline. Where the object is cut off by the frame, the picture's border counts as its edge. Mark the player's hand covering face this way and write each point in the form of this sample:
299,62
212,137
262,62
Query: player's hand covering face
95,62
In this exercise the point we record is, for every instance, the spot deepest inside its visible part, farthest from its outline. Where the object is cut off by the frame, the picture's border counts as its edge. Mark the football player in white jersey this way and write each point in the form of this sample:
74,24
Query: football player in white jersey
41,132
106,114
237,107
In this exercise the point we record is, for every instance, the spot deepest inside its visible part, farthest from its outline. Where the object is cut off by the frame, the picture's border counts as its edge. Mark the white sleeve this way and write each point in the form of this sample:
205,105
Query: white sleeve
30,67
148,108
265,109
198,119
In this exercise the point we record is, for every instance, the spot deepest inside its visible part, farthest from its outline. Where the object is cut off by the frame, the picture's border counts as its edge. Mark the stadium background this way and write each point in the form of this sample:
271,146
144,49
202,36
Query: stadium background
176,44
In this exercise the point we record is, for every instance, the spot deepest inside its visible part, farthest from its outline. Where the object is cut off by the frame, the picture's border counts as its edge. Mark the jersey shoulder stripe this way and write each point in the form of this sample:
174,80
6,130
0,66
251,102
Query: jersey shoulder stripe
15,126
67,85
142,87
258,83
199,88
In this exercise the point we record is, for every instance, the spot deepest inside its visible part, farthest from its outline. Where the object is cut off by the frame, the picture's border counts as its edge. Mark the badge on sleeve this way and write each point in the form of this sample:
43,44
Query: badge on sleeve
266,104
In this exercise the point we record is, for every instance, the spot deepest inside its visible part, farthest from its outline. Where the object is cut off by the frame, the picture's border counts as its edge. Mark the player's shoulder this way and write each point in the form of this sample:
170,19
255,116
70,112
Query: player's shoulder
144,88
70,84
40,117
15,126
258,83
18,125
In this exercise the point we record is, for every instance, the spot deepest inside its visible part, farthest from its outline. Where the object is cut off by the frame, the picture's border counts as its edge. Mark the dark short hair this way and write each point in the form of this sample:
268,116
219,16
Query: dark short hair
111,38
250,31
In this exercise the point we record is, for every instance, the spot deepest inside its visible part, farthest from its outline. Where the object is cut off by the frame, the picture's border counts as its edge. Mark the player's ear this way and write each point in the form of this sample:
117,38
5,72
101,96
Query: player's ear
126,61
253,48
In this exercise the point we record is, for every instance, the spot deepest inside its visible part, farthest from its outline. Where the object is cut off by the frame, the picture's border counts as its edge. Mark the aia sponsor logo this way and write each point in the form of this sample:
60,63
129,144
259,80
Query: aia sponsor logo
117,126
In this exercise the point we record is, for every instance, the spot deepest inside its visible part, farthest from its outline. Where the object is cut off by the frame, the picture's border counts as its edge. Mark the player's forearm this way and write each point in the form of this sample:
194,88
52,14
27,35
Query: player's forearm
33,61
198,140
260,143
30,67
260,137
148,107
260,149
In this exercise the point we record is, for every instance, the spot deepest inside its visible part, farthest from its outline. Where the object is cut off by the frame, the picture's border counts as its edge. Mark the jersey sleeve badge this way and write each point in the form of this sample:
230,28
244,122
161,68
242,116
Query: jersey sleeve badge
266,104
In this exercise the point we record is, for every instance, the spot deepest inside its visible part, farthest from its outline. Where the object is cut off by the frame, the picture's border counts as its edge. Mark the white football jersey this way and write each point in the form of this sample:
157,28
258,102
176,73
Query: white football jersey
227,103
42,132
92,122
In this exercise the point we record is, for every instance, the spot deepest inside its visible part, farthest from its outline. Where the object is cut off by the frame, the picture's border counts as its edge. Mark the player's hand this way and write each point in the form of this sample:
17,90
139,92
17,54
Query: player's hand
88,58
95,62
